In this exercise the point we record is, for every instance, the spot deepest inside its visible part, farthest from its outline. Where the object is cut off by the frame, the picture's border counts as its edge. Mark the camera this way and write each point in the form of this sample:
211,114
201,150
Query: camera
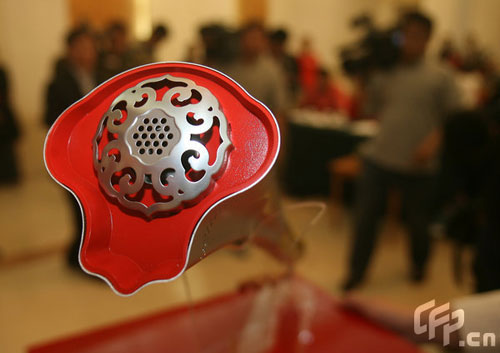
378,49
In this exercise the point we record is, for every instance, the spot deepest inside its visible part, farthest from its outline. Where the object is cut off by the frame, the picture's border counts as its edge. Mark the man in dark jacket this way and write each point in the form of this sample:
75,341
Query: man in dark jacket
9,132
74,76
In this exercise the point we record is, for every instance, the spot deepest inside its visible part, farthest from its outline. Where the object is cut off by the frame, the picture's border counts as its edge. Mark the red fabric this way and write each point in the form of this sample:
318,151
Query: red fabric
330,97
218,326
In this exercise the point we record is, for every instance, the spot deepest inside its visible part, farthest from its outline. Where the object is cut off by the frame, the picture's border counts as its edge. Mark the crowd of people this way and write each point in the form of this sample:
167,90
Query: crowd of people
259,59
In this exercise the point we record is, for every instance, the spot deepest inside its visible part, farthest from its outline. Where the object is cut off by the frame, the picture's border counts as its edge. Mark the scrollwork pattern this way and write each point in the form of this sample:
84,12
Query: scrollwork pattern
189,110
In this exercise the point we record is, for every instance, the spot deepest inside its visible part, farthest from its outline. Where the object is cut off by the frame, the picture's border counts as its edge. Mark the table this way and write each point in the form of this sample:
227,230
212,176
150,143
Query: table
313,139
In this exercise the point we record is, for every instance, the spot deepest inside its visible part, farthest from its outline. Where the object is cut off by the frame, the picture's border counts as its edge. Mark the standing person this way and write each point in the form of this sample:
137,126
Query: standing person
218,46
411,101
74,76
144,52
288,63
308,67
116,55
257,72
9,133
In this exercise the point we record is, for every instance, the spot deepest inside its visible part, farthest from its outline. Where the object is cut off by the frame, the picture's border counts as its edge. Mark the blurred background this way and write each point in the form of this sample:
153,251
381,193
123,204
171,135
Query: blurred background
320,58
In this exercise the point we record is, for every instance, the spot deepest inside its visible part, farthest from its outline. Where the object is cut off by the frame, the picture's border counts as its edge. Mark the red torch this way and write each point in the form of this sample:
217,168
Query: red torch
169,163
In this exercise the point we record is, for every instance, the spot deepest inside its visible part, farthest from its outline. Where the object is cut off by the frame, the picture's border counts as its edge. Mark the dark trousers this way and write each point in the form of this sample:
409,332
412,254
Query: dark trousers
8,170
371,200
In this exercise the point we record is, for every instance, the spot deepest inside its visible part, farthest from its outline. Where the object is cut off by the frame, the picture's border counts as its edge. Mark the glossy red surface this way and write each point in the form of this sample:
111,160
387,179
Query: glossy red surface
130,250
226,325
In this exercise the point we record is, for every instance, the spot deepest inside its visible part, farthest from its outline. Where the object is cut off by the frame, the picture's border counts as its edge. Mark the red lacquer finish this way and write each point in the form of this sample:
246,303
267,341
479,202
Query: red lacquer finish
130,250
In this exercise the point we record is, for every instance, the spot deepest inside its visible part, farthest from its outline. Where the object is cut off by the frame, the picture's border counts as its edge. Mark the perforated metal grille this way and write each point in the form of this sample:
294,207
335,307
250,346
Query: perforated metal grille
153,136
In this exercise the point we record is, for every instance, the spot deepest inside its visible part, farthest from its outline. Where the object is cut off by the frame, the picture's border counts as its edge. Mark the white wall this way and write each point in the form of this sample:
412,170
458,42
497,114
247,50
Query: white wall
459,18
325,22
31,34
